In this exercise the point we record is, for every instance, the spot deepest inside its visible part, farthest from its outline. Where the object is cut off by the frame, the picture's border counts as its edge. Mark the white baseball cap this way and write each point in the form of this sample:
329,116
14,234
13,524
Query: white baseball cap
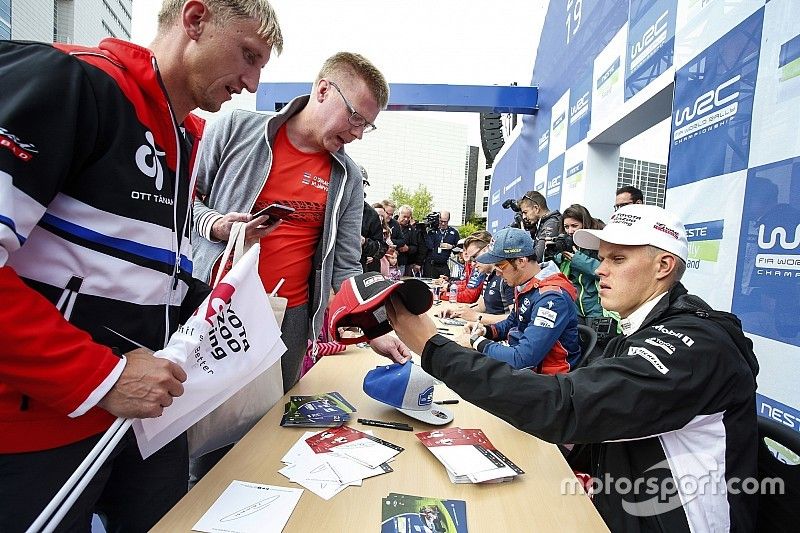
636,225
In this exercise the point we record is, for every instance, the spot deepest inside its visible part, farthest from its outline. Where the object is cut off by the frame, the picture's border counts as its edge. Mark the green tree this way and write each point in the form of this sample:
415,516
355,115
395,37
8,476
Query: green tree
420,200
467,229
473,224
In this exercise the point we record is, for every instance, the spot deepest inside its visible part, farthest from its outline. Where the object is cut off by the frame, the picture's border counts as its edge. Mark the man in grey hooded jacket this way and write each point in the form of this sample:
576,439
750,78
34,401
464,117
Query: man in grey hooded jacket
294,157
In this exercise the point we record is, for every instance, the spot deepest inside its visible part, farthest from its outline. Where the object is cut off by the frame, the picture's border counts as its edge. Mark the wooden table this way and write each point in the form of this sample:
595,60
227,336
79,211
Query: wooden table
532,502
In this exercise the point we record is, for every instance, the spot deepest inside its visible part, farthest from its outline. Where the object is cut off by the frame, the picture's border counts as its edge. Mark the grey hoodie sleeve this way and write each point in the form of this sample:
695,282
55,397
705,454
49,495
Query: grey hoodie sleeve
207,165
347,256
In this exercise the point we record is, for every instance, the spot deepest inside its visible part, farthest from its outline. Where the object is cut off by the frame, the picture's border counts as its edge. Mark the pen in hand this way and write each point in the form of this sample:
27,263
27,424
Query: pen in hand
446,402
475,329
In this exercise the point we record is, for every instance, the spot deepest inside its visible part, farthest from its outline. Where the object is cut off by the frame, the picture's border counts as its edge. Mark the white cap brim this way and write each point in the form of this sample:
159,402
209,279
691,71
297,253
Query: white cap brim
436,415
590,239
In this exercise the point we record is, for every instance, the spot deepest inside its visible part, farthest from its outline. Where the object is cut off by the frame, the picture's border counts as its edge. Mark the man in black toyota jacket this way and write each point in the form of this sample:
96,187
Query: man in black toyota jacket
665,421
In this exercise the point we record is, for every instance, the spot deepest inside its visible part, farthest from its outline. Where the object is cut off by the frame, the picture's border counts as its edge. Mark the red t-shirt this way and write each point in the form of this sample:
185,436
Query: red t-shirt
299,180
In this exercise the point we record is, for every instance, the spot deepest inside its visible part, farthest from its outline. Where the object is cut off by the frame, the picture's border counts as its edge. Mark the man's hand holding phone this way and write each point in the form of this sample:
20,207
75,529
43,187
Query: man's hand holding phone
257,226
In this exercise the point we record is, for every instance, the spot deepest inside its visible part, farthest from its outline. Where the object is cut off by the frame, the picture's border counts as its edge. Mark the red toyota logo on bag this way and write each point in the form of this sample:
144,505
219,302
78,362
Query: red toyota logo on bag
219,298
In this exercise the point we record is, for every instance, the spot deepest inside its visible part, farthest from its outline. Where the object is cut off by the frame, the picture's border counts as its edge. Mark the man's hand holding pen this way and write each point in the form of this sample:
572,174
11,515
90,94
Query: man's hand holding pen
470,331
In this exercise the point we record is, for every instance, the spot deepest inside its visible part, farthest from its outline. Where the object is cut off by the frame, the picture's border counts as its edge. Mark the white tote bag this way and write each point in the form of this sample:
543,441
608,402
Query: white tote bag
229,422
231,339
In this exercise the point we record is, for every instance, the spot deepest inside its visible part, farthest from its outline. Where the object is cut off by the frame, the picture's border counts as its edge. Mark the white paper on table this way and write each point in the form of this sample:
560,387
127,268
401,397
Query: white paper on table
366,451
250,508
324,489
462,459
291,472
349,471
321,471
487,475
299,450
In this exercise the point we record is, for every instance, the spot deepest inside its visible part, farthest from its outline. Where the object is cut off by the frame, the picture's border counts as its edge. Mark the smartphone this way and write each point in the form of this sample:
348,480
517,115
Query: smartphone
275,212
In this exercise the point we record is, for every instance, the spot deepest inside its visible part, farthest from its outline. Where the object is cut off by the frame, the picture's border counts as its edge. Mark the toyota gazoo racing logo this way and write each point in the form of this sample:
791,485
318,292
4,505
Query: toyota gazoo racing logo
709,111
219,298
784,239
667,347
624,218
147,159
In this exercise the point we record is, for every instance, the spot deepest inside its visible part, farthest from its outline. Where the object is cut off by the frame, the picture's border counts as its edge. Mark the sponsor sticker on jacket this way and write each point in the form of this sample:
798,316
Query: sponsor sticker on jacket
667,347
650,357
543,322
687,340
547,313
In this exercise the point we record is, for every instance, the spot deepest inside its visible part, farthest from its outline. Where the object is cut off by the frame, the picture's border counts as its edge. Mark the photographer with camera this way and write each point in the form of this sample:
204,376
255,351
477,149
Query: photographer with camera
440,238
545,223
519,222
580,266
577,264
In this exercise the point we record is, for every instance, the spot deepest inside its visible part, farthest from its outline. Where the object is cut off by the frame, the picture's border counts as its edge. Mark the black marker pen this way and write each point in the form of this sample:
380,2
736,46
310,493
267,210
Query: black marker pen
382,424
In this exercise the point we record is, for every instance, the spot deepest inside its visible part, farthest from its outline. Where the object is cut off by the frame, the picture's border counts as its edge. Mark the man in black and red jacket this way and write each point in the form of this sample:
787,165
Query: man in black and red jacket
665,420
95,259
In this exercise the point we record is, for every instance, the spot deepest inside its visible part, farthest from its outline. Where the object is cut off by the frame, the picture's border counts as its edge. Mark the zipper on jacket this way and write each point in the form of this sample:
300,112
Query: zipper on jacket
23,404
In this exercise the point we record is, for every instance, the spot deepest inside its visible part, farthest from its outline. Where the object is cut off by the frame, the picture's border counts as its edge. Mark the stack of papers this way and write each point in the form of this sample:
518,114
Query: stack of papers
328,462
469,456
321,410
250,508
402,513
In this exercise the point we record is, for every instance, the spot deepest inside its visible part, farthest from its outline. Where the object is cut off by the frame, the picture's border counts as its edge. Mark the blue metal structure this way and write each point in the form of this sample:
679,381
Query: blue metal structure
424,97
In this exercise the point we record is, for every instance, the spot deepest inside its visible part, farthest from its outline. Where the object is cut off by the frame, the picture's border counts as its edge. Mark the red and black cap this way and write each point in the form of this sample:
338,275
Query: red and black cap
360,304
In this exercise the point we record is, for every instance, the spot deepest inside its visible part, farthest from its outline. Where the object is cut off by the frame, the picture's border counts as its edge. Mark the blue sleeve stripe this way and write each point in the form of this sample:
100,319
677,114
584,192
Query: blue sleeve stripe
125,245
10,223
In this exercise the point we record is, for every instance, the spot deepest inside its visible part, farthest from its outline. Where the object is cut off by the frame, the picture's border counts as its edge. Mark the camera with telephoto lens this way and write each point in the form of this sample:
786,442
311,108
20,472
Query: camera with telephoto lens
559,244
562,243
432,221
510,203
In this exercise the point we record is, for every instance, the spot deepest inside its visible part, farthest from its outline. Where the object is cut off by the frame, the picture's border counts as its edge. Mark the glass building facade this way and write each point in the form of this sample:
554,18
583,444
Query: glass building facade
5,19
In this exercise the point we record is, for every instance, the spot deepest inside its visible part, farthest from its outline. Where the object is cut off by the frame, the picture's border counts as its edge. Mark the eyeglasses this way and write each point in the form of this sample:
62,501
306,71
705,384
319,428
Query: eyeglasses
502,264
480,252
617,206
356,119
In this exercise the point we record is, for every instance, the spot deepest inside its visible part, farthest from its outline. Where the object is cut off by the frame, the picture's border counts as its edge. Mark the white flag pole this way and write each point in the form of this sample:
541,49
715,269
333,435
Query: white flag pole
91,463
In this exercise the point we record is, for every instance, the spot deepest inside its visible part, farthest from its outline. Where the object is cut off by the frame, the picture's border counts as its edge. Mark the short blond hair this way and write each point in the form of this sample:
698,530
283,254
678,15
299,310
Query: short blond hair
351,64
224,11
